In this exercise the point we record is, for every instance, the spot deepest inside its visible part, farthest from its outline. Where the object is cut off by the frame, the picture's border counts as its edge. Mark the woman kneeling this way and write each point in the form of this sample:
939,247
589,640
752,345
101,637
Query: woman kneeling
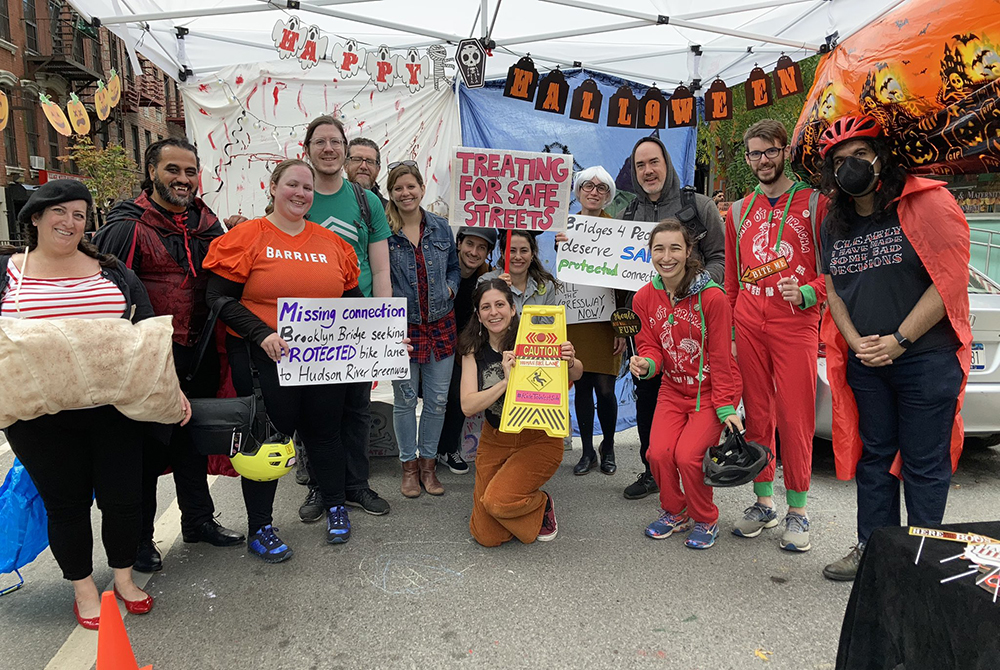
686,328
510,468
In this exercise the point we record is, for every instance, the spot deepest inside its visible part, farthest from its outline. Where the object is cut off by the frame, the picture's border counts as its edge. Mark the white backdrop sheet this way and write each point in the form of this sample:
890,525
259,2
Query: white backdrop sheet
238,157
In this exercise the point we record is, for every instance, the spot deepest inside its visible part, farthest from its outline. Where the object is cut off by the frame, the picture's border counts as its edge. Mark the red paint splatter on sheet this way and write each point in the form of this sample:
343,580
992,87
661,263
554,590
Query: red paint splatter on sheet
326,103
202,111
298,101
254,90
203,88
278,87
210,140
262,187
371,96
361,126
239,80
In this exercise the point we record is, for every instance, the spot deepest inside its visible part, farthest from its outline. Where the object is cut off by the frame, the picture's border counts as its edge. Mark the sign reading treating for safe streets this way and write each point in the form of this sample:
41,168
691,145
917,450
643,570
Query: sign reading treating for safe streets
492,188
342,340
605,252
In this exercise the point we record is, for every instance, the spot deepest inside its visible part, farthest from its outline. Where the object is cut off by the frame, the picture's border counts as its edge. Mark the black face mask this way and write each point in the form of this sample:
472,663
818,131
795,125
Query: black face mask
856,176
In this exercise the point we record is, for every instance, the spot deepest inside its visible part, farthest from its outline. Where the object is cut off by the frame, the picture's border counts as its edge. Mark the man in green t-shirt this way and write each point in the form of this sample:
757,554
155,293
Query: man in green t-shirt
335,206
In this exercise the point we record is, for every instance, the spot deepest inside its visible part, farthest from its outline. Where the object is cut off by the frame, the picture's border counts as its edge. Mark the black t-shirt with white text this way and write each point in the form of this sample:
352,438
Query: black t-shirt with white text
489,364
879,276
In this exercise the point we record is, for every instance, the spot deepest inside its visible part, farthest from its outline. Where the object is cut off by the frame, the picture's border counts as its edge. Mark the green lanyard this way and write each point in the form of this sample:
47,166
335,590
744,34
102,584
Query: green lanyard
796,187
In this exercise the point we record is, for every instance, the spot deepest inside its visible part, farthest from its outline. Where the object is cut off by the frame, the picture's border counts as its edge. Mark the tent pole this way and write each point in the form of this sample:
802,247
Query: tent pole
654,19
677,52
211,11
484,17
578,32
217,38
737,9
413,30
639,78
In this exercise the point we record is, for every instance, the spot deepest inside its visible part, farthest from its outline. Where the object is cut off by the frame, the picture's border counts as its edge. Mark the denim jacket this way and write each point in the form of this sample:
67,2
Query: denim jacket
441,261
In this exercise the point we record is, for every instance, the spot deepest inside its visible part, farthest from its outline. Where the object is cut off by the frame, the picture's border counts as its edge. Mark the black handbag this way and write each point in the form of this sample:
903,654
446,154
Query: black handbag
225,426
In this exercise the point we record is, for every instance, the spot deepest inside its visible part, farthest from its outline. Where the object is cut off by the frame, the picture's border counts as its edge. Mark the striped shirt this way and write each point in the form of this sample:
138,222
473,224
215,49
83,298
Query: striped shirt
93,297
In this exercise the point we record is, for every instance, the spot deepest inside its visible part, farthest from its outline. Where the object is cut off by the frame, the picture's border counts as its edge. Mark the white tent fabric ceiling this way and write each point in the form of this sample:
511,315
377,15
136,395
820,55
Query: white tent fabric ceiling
647,41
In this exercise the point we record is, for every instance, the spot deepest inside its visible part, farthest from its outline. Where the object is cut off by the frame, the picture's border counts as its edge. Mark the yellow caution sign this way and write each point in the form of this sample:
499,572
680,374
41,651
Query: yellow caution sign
538,391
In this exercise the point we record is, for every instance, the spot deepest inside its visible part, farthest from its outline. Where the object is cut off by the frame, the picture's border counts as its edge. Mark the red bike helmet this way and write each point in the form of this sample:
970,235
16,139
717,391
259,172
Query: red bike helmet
848,128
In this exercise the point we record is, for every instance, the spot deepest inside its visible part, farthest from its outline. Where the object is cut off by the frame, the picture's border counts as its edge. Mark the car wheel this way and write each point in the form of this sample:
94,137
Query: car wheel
981,442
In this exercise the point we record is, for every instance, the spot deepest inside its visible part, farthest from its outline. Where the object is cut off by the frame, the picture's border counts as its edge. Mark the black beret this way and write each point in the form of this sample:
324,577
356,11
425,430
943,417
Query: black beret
53,193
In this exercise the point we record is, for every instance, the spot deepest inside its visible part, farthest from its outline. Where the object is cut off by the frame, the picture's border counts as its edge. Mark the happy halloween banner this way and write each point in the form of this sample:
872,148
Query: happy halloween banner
929,72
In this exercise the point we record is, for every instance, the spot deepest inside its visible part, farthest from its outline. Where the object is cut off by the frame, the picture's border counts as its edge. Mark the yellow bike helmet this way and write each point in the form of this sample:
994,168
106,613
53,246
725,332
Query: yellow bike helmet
271,460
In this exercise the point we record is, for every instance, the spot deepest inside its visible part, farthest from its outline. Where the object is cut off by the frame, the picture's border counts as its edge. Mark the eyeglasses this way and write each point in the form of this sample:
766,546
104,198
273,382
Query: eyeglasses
370,162
393,166
590,186
772,153
319,143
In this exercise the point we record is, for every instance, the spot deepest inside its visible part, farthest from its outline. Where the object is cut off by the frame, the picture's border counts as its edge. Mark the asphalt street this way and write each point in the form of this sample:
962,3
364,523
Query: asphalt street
412,590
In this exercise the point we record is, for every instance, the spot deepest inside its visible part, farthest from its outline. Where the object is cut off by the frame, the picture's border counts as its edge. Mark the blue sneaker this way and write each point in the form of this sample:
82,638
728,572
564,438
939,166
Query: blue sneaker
338,526
703,536
667,525
266,545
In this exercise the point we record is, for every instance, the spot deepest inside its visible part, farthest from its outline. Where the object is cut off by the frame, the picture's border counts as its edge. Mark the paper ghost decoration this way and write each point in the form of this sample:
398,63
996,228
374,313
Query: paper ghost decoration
287,37
313,48
413,69
347,58
380,65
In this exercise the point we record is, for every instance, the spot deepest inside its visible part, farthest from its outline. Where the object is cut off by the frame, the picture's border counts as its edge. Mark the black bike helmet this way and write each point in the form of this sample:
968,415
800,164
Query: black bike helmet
734,462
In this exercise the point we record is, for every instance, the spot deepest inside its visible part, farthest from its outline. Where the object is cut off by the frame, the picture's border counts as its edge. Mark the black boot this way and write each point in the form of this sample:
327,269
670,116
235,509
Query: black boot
608,466
587,463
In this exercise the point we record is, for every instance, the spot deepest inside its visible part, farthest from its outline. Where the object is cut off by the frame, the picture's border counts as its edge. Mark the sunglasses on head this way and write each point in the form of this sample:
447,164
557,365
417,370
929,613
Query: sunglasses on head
393,166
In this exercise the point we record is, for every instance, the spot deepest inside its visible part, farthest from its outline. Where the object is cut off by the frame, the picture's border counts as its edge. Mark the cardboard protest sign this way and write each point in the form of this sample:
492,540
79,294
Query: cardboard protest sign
523,190
586,304
342,340
605,252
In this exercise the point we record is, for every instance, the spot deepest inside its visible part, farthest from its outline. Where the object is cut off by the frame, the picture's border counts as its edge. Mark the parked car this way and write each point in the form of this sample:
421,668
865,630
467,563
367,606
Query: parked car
981,411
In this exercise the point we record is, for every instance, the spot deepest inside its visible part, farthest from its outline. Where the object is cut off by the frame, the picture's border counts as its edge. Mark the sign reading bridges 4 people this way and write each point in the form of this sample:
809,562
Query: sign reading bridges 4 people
605,252
342,340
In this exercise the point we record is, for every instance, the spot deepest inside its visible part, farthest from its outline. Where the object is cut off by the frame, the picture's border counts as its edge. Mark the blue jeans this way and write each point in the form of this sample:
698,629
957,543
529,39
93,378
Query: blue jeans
436,377
909,407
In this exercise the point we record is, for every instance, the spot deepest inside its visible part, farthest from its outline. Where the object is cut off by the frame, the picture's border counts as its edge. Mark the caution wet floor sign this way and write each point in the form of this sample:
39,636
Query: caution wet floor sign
538,391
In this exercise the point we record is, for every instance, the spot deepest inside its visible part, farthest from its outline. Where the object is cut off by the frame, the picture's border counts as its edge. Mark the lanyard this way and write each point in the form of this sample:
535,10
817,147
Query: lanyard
796,187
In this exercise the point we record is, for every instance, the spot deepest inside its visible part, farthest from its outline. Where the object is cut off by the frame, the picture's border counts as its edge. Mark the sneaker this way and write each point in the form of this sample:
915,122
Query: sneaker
454,463
796,535
367,500
703,536
549,526
846,568
756,518
668,524
338,526
266,545
642,487
312,509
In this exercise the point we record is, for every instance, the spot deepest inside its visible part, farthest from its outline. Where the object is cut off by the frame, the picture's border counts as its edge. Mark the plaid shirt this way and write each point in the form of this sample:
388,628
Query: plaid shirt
440,336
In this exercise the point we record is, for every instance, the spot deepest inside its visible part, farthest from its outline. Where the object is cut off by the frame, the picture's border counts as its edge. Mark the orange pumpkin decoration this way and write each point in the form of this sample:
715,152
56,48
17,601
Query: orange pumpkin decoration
78,116
54,114
4,110
114,88
102,103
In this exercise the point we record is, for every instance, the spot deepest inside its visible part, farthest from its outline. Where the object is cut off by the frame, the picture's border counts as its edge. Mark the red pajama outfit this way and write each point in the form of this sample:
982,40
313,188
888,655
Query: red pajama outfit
689,343
776,342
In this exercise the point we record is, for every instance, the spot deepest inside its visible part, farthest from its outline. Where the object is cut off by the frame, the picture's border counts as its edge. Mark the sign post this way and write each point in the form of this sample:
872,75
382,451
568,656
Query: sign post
627,324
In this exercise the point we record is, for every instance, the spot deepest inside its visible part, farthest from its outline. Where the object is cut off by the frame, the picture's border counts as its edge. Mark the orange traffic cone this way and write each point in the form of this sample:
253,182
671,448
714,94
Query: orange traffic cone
114,651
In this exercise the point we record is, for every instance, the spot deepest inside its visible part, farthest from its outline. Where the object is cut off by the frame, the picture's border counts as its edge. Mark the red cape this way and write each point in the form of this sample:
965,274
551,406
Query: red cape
936,227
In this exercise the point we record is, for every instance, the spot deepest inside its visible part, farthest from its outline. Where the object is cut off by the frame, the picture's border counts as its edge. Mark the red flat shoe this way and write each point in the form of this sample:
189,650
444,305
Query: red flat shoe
91,623
136,606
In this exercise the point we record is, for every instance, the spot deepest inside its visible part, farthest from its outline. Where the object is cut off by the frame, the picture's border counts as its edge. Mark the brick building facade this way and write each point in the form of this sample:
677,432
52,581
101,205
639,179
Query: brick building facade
46,48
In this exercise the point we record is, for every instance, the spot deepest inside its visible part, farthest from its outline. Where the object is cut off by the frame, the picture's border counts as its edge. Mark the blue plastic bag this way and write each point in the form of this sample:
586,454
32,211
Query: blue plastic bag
23,523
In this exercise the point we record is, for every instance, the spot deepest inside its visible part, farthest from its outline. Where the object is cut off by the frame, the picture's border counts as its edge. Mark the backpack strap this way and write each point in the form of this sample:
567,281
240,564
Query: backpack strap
814,219
366,212
736,208
689,214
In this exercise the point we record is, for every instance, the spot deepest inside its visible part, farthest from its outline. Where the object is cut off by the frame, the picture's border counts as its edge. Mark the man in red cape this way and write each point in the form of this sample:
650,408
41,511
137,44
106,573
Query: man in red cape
896,255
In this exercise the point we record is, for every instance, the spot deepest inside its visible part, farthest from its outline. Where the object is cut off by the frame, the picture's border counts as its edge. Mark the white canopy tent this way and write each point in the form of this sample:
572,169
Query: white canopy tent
648,41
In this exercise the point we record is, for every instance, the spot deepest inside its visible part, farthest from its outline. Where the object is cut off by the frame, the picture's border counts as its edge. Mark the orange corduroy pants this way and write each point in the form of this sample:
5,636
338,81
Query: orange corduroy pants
511,468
